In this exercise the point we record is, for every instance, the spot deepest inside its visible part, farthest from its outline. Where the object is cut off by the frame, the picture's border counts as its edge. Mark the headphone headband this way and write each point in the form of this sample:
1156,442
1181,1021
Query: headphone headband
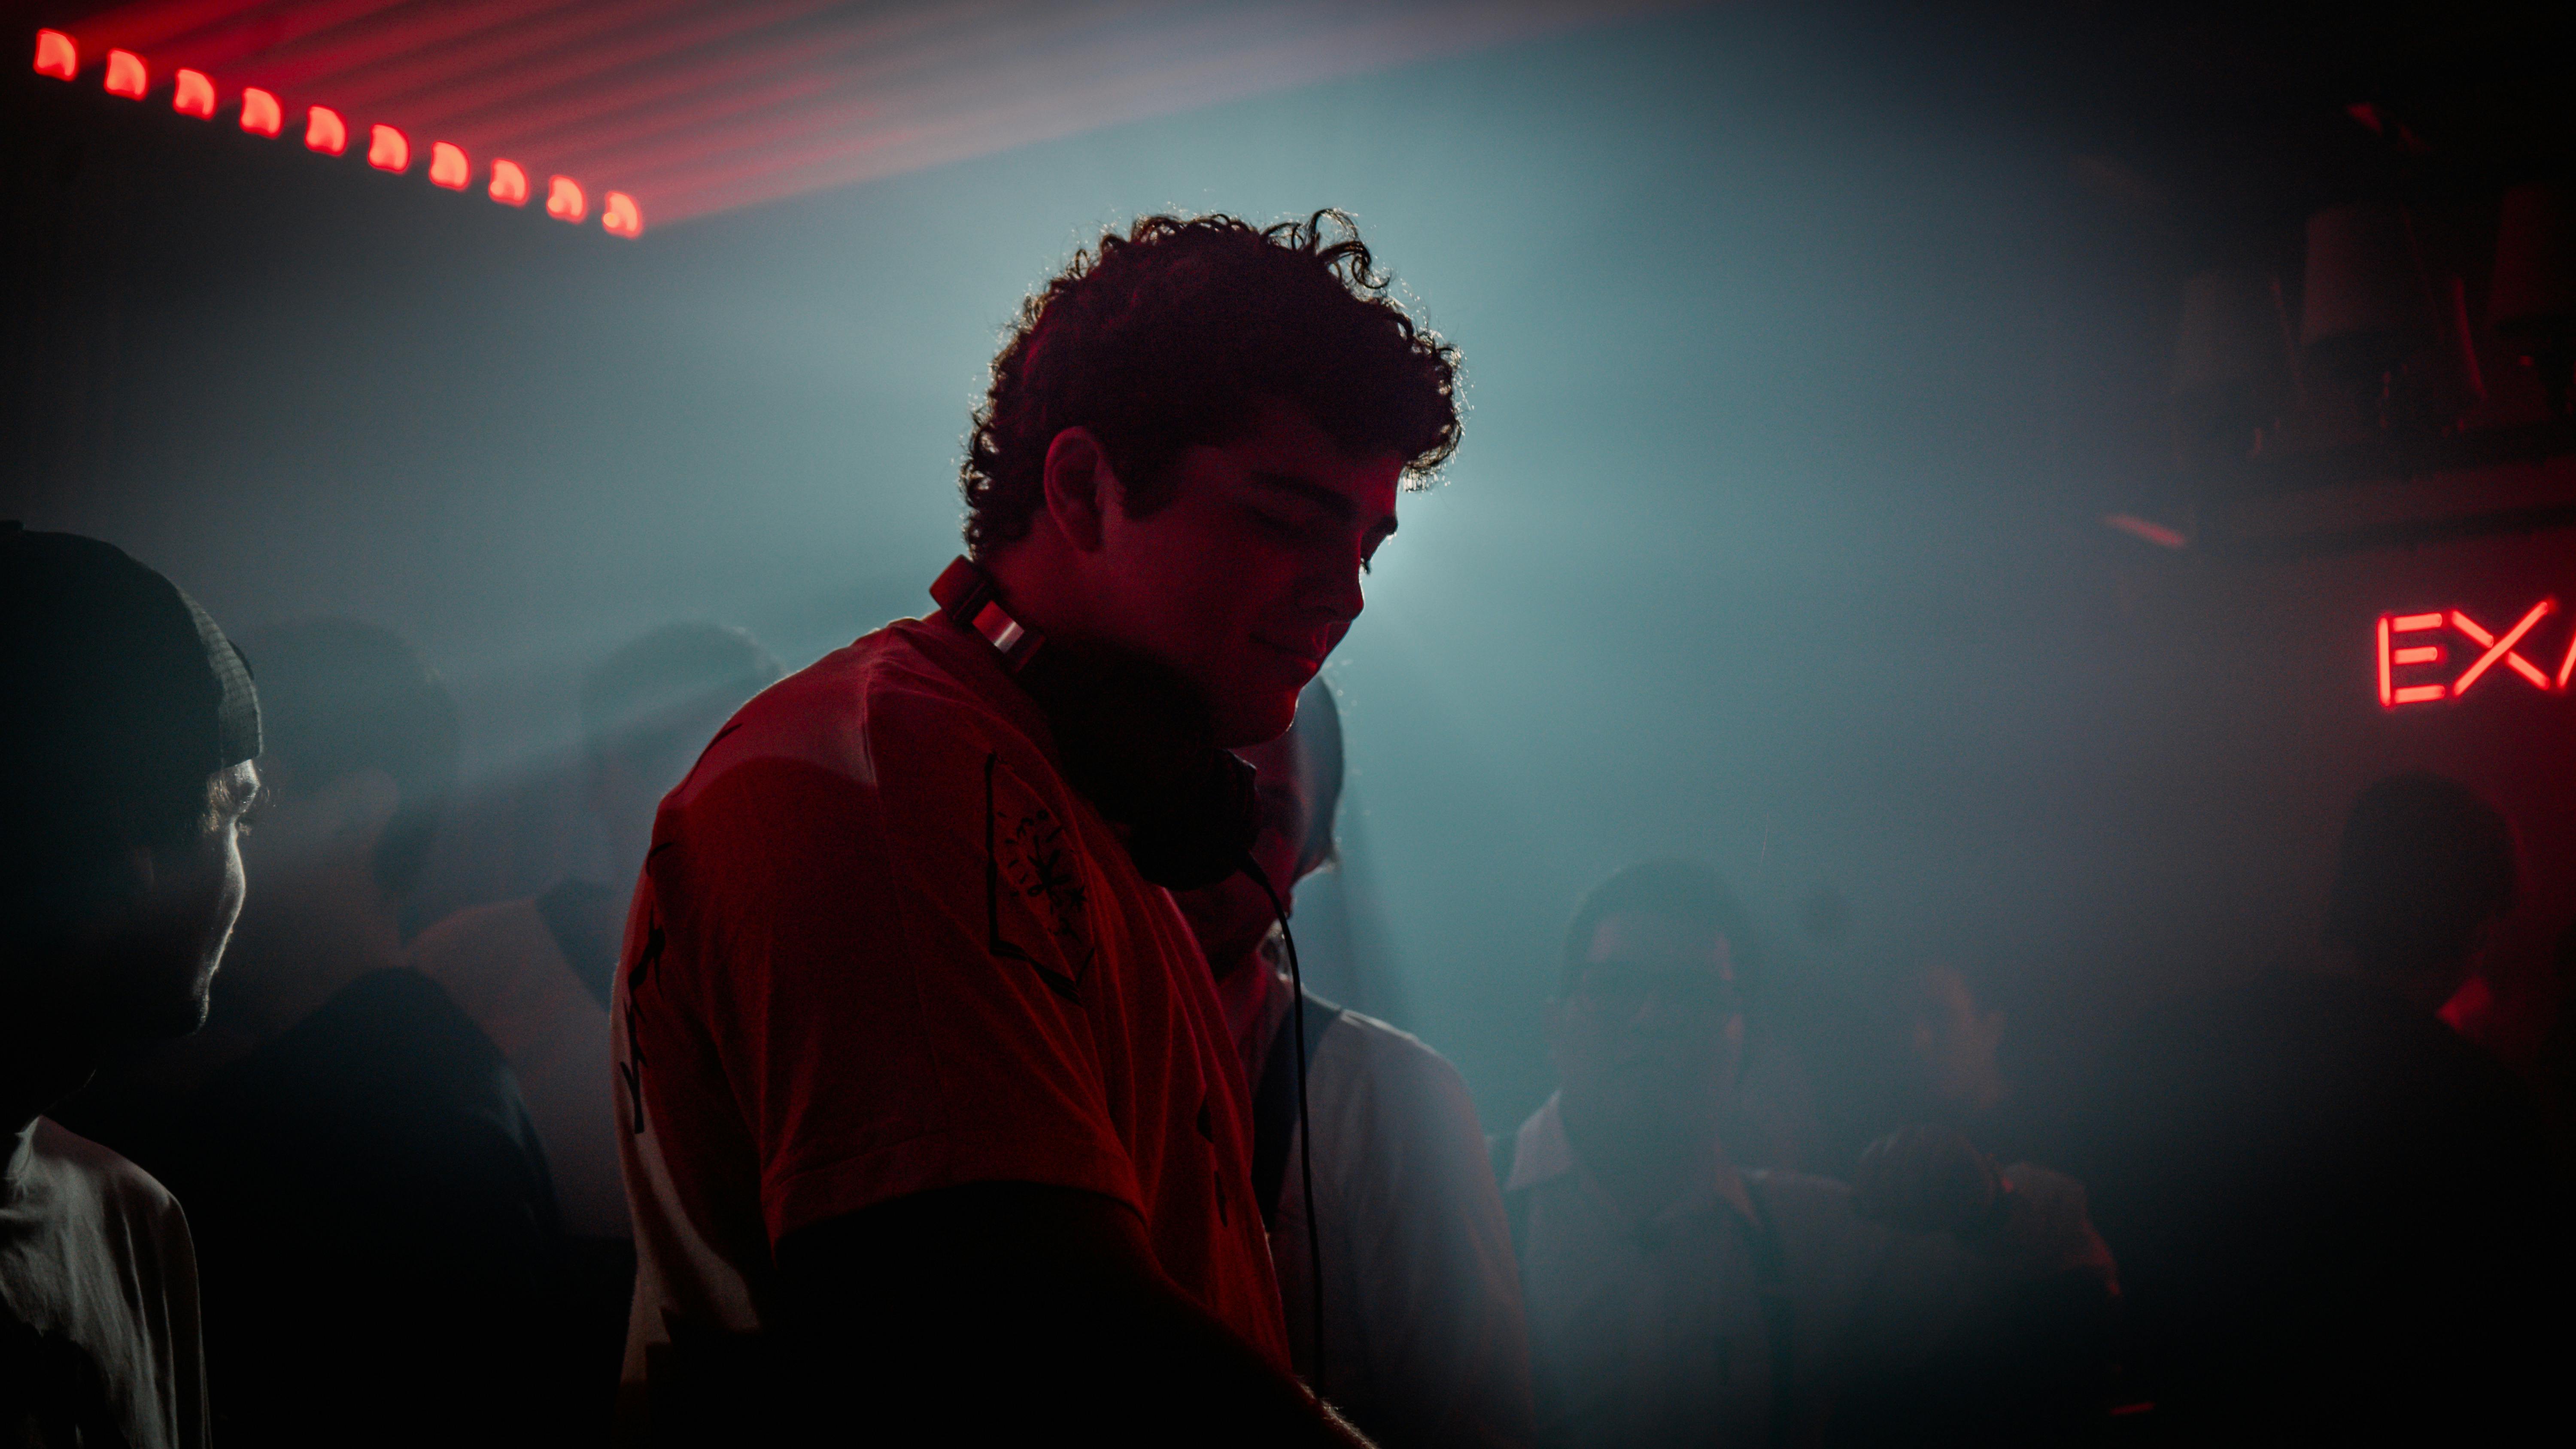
966,594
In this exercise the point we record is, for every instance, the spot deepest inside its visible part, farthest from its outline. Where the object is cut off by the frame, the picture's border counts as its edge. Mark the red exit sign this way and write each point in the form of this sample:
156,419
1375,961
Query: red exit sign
2413,647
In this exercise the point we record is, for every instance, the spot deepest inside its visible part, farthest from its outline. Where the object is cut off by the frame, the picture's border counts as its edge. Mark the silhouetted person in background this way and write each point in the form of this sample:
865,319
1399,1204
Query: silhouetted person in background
534,972
933,1123
2332,1210
1674,1300
129,729
378,1236
1937,1039
1423,1341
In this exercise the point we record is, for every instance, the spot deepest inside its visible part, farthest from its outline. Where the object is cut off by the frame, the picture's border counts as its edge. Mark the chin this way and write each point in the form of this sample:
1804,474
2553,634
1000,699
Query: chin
1255,716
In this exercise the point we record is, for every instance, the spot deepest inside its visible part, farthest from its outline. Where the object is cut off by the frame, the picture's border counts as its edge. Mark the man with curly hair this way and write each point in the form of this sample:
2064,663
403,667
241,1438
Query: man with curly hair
930,1113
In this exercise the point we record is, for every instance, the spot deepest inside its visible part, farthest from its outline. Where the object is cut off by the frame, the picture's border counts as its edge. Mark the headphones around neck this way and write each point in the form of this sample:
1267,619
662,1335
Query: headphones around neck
1136,740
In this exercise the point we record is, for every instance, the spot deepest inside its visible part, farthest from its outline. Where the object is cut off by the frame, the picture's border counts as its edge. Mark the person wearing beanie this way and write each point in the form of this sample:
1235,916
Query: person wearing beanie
131,731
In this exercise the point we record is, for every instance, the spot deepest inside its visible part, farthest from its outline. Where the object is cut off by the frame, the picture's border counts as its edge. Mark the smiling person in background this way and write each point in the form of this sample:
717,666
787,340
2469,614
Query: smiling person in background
1674,1300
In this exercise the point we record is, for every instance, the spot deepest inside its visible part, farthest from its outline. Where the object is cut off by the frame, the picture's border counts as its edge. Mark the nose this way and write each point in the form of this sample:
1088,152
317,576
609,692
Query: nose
1342,592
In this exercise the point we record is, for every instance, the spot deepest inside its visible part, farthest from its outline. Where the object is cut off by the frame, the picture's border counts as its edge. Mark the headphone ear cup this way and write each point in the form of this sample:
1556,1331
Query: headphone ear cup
1198,834
1135,738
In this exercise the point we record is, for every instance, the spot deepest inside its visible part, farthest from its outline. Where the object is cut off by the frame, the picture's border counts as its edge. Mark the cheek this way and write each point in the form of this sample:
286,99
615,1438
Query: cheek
236,886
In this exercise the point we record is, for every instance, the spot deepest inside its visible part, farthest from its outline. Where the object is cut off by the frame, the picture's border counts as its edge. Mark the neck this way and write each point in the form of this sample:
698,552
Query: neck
1037,583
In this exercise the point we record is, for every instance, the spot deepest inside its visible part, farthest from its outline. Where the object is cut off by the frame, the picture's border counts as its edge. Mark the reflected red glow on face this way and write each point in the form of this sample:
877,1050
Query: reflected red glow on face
509,184
195,95
388,149
1250,575
261,114
56,55
564,201
126,76
2495,651
325,132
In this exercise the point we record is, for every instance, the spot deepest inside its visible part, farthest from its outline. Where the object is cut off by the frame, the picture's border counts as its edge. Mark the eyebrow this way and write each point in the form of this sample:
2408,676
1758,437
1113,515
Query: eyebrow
1337,504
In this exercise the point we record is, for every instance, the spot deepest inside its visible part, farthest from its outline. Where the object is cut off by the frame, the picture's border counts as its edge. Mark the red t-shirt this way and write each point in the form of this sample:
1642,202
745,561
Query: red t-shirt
880,947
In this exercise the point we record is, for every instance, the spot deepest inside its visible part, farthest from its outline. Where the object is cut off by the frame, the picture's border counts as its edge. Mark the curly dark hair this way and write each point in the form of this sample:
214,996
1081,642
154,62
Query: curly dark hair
1170,335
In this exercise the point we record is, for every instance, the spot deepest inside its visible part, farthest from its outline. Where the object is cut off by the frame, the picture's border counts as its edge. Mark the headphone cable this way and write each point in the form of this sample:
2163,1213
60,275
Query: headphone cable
1305,1122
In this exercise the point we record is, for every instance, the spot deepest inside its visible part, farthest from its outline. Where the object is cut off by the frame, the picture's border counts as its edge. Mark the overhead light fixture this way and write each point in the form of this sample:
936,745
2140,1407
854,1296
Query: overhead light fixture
126,76
324,131
193,95
2233,374
509,184
2532,303
261,114
564,201
56,55
447,166
2380,330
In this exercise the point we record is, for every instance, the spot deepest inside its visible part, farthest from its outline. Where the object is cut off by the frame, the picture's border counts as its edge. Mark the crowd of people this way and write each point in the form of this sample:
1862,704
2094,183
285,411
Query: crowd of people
939,1066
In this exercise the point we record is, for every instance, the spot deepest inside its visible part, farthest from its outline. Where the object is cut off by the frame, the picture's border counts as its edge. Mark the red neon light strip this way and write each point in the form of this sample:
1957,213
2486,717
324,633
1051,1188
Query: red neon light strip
2420,693
619,216
2567,665
2420,654
56,55
564,201
509,184
2386,697
194,96
324,131
448,166
126,76
2500,648
2414,623
261,115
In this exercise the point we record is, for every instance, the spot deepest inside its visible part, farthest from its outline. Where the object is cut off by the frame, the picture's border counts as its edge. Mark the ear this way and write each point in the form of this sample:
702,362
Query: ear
1080,487
363,803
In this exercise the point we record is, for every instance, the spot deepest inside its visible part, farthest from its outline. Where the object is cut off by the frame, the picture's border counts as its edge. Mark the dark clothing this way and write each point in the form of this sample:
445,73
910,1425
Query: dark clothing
378,1236
2331,1213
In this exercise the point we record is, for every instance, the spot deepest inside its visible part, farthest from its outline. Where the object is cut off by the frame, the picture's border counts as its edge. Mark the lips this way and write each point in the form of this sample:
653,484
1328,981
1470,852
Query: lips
1310,654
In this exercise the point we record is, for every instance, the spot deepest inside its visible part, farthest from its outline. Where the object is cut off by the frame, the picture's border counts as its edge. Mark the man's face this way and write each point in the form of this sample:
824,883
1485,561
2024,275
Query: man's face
1649,1040
153,971
1231,917
1250,575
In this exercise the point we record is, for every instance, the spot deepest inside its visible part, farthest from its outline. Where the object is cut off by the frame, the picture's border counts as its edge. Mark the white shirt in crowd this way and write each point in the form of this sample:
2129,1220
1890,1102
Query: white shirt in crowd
1654,1333
1423,1342
99,1336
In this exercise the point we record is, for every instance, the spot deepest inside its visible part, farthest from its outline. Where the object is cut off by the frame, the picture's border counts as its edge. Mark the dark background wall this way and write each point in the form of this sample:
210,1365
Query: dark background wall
1808,347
